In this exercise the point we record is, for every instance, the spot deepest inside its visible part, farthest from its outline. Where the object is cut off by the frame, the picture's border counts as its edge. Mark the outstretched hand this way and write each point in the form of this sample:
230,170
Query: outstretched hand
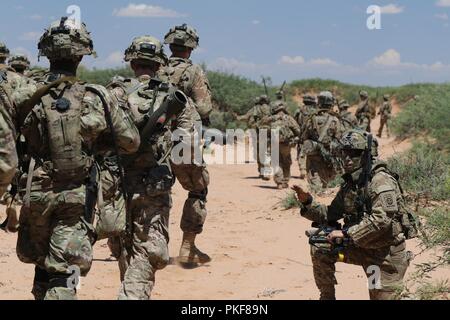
302,195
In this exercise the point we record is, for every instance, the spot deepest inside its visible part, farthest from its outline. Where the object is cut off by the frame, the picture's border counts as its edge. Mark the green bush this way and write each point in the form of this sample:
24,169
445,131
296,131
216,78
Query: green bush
102,76
430,113
290,201
423,170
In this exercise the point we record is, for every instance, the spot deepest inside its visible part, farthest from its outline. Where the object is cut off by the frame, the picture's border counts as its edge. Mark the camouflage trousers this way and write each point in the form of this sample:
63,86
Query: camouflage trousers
364,123
54,236
392,262
383,122
195,179
283,172
301,159
319,171
148,249
263,160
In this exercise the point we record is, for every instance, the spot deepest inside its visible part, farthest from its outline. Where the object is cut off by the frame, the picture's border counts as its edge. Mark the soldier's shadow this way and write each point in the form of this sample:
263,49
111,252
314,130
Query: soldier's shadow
268,187
251,178
188,266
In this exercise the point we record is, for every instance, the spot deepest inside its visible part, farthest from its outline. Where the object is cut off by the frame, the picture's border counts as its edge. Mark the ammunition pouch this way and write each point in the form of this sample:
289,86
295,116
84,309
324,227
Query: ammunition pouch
158,180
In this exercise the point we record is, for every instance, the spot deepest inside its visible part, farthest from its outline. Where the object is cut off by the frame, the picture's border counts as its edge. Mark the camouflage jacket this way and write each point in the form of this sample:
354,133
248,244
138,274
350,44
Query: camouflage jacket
363,110
302,114
256,114
8,155
68,125
191,79
149,169
286,125
379,228
322,127
385,110
349,121
22,88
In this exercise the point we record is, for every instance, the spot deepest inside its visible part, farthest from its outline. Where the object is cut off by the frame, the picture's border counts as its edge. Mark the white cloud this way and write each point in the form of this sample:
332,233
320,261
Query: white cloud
443,3
30,36
389,58
146,11
392,9
442,16
255,22
299,60
292,60
323,62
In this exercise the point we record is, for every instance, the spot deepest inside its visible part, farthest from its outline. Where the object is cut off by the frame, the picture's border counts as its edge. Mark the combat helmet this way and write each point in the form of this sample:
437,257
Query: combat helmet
279,94
343,105
4,51
264,99
386,97
363,94
146,48
309,99
184,35
355,139
19,61
278,107
65,39
326,99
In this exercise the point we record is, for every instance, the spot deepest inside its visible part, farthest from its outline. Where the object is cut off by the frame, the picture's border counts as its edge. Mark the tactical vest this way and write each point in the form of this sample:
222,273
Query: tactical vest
280,123
176,74
403,222
148,170
69,160
325,127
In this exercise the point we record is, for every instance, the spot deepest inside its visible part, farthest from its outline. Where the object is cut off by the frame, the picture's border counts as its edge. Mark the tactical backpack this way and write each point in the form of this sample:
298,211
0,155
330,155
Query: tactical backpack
62,108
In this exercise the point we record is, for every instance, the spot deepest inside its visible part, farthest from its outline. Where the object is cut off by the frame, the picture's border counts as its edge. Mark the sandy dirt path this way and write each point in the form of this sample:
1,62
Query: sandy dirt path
259,250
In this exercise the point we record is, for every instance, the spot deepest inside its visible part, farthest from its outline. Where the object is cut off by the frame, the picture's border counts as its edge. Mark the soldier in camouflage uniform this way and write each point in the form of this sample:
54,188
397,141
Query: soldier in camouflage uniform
363,113
8,155
148,173
66,127
20,89
301,115
19,63
320,134
288,133
377,222
259,111
349,121
385,115
193,177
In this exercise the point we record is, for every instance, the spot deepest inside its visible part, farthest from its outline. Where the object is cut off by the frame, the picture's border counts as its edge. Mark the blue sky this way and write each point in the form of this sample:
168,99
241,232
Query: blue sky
285,40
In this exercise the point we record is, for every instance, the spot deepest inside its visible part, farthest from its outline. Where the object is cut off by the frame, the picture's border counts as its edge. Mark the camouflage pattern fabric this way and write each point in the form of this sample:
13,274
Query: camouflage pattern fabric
385,115
53,234
288,131
149,177
191,79
321,131
377,237
8,155
349,121
363,115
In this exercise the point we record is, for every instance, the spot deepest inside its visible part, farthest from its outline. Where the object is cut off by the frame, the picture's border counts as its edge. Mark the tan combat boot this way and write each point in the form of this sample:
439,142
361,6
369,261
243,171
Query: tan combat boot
190,255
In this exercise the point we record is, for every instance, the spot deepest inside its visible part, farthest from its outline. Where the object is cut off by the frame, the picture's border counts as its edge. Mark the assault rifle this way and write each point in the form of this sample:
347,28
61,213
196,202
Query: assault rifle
363,202
318,238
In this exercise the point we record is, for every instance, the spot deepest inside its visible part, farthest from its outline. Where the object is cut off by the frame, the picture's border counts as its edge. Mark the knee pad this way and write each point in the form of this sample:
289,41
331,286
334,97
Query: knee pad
41,275
199,195
59,280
